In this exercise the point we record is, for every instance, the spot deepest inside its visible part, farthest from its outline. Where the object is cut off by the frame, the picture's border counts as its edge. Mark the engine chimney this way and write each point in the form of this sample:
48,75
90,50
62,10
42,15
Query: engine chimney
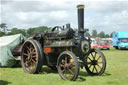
80,9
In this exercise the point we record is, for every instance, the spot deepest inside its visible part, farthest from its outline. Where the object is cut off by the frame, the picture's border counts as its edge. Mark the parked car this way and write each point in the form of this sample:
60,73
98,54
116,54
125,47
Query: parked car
103,46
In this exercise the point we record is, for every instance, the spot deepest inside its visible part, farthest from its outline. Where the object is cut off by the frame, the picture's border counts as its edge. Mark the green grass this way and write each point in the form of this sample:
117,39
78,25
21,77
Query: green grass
116,74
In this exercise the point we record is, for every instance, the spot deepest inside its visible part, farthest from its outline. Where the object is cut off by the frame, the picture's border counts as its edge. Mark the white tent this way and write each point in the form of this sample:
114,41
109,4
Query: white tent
7,44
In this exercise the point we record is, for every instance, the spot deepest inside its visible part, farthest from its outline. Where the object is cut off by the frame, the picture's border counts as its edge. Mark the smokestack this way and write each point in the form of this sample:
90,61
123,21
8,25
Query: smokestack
80,9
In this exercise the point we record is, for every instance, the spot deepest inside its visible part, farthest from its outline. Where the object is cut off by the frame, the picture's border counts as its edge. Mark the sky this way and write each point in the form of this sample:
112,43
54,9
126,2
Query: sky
102,15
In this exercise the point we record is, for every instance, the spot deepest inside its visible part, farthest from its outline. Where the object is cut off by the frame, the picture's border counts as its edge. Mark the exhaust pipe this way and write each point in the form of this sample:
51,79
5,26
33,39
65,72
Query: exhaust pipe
80,10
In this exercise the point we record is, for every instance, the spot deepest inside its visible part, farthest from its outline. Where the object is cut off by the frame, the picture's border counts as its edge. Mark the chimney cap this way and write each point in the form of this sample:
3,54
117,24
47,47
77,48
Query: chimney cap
80,6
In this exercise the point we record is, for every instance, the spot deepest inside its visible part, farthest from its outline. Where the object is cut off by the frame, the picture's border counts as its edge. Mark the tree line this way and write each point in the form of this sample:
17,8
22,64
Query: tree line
101,34
29,32
26,32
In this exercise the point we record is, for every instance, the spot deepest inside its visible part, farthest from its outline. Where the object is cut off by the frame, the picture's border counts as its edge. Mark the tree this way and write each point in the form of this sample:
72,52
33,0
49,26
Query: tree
94,33
3,27
101,35
30,32
17,31
111,34
2,33
107,36
40,29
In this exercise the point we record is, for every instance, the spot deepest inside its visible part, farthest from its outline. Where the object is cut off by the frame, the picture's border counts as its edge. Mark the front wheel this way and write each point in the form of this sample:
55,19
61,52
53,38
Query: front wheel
96,63
68,66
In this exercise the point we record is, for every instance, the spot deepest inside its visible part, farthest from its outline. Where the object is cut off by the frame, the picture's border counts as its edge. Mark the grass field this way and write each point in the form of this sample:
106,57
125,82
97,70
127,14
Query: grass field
116,74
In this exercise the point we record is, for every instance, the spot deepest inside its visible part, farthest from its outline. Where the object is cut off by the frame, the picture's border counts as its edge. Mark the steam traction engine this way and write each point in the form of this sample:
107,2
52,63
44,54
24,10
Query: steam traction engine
62,50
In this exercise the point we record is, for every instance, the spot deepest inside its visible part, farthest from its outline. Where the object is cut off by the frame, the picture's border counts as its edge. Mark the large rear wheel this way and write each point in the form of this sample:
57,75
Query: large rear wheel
68,66
40,50
31,57
96,62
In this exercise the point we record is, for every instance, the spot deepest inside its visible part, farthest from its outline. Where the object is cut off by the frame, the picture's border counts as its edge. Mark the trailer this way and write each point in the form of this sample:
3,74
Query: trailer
120,40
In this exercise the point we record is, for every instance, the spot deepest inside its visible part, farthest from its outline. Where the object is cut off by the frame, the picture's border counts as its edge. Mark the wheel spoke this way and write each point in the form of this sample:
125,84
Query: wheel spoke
34,61
65,60
33,51
96,69
31,48
61,65
99,66
98,58
100,62
28,51
89,58
28,48
71,64
63,70
25,54
93,69
89,63
90,66
26,63
93,56
70,71
34,56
